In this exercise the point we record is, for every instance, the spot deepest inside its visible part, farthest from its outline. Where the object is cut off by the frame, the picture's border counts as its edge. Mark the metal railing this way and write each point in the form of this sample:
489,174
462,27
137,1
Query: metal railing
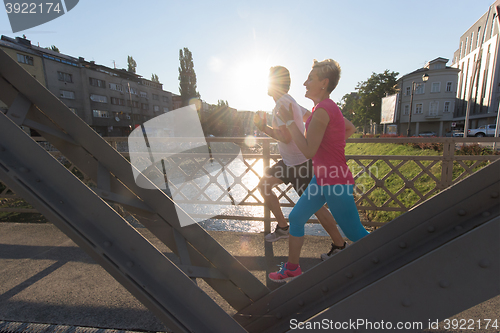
384,182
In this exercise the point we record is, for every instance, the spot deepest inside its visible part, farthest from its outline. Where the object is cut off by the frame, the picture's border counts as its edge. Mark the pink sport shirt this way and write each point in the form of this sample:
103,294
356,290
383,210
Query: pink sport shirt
330,165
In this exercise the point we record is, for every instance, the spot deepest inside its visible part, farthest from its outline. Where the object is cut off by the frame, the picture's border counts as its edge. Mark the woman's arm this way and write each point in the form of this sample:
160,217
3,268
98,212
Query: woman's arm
306,116
281,133
310,143
350,129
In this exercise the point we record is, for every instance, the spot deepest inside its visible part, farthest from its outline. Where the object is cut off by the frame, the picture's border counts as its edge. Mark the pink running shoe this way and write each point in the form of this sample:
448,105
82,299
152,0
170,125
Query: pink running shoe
284,274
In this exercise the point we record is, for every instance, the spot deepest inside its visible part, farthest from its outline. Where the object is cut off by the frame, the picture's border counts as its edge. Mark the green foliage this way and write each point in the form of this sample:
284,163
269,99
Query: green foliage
365,104
476,149
132,65
222,103
410,170
187,77
53,48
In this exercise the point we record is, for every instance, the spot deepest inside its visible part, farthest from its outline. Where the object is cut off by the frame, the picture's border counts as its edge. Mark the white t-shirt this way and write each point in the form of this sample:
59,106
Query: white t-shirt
290,153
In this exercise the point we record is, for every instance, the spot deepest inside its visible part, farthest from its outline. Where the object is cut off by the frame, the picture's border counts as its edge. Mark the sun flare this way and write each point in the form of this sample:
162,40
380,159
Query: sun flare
250,80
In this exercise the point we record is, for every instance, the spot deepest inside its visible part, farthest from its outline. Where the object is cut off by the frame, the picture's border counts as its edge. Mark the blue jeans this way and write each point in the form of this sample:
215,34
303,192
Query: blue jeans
340,202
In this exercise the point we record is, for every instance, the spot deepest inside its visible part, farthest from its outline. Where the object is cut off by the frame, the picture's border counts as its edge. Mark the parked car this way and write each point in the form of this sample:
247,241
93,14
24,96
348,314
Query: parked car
427,134
455,134
485,130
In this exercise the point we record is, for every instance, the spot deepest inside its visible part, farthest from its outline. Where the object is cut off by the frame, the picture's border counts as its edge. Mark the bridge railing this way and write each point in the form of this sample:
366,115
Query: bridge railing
389,183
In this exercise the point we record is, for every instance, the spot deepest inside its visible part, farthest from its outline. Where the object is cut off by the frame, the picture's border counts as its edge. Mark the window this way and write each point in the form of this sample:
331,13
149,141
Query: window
156,108
461,48
419,108
135,104
144,94
24,59
438,66
420,89
117,101
98,98
493,25
466,43
478,35
100,114
433,108
446,108
144,106
127,116
471,41
65,77
67,94
165,99
97,82
116,87
165,109
435,87
156,97
408,91
407,109
132,90
449,85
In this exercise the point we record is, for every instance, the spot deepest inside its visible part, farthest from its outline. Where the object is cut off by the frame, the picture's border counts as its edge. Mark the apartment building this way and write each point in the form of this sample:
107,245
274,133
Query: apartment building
112,101
433,100
478,61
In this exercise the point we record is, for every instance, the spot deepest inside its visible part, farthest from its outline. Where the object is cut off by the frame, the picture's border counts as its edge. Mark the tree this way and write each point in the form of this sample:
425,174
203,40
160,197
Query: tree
53,48
350,106
365,104
187,77
132,65
373,90
155,78
222,103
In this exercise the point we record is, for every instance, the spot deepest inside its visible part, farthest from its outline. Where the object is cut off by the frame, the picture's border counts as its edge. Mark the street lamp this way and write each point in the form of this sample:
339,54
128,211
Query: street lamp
425,77
364,123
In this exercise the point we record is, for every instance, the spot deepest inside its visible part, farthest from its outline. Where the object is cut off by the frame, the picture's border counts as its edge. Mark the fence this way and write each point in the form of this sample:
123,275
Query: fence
387,183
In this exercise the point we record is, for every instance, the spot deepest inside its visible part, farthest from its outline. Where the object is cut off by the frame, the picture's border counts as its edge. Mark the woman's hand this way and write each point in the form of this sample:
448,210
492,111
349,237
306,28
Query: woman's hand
284,114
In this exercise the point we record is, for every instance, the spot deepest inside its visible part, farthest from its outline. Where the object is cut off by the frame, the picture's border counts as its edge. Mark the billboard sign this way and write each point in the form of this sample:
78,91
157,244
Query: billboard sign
389,105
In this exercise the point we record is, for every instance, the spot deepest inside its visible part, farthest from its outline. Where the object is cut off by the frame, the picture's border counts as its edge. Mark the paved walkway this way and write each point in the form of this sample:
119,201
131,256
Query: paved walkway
45,278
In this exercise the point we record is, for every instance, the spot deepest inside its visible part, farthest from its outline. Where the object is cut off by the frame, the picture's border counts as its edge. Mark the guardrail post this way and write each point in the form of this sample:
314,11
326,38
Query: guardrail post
447,163
266,162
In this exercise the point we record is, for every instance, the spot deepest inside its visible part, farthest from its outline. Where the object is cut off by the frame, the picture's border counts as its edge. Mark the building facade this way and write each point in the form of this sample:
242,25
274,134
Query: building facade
433,101
112,101
478,61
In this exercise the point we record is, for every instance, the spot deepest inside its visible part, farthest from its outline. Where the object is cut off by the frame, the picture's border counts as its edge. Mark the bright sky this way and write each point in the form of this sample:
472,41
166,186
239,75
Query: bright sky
234,42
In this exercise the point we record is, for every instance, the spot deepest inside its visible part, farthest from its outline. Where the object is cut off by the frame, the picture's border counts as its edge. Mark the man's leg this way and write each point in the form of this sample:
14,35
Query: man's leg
328,222
265,187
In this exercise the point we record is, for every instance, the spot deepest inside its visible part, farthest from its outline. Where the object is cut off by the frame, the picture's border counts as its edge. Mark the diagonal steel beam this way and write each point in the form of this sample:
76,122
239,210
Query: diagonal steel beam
425,228
445,274
241,289
134,262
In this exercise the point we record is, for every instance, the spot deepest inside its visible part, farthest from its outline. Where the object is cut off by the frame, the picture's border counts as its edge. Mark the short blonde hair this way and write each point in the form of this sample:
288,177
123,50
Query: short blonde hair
328,69
279,77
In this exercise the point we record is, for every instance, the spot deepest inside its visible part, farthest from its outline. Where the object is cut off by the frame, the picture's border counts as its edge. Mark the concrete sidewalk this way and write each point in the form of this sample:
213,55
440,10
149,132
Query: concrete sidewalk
45,278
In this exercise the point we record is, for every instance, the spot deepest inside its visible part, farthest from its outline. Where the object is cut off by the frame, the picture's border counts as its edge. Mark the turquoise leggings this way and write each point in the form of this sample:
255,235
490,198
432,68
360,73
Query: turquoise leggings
341,203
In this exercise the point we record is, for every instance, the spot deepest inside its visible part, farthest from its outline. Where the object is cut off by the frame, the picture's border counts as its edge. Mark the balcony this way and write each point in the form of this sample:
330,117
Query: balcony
433,115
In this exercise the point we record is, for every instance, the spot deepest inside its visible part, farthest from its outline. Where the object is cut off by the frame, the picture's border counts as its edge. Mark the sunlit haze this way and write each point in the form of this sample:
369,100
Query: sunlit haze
234,43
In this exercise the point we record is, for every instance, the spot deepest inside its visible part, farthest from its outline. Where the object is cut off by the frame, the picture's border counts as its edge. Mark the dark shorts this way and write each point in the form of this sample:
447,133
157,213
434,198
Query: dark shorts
298,175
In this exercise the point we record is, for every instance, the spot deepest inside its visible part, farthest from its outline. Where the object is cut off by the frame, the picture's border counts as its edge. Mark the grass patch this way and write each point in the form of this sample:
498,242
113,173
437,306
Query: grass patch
414,181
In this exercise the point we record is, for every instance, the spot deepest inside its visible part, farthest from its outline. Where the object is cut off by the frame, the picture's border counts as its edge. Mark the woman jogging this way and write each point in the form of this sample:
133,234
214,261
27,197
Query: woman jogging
333,183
